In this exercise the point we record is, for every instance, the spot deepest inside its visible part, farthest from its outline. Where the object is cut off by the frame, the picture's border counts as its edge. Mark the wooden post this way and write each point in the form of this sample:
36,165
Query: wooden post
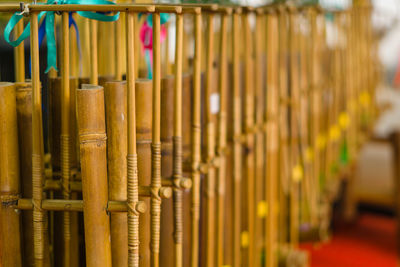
10,235
116,113
196,141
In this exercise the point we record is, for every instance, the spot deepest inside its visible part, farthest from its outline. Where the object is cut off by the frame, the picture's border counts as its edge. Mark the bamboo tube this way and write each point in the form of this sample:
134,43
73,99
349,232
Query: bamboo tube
24,115
75,69
177,144
259,138
93,52
237,146
116,113
210,155
196,141
248,222
19,55
222,140
118,49
272,100
167,243
91,125
37,148
133,198
156,146
10,235
143,96
65,137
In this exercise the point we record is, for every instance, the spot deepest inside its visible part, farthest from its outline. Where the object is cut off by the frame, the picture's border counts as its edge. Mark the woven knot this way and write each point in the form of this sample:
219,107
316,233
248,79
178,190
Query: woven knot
37,205
132,208
154,191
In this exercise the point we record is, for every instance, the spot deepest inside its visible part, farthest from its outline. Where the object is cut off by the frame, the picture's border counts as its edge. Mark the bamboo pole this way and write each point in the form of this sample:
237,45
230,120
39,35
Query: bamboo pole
143,97
222,140
249,130
177,144
24,117
210,155
10,235
272,139
118,49
65,137
94,73
116,111
92,136
133,198
237,146
19,55
196,141
37,148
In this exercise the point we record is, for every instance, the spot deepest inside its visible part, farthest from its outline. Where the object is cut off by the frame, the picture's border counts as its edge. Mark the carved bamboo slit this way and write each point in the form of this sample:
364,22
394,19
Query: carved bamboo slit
196,141
237,146
10,234
115,94
92,137
272,139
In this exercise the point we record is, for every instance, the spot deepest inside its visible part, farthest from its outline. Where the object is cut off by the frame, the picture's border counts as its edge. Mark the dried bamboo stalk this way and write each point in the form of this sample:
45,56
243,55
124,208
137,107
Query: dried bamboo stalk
156,146
94,73
115,94
272,138
92,136
133,196
237,146
196,141
19,55
10,230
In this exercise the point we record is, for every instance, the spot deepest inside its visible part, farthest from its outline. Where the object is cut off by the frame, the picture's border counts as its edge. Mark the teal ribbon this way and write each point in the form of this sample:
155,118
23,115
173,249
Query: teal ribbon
51,40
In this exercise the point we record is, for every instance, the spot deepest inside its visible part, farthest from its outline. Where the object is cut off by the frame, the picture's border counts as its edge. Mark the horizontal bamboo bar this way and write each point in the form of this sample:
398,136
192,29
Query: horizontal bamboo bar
120,7
76,205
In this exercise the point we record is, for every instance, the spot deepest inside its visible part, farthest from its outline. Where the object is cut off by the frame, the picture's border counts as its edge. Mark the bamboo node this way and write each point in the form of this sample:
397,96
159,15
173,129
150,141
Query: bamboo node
8,200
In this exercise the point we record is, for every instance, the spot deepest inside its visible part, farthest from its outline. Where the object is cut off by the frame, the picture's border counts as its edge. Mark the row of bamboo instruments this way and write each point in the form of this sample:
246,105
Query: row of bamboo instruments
229,156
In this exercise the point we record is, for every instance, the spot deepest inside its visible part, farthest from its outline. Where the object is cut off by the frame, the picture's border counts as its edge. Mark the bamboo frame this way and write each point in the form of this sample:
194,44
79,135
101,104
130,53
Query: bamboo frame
19,55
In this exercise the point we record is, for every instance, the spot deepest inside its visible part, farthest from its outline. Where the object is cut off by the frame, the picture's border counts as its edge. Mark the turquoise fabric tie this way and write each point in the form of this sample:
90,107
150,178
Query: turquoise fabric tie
51,41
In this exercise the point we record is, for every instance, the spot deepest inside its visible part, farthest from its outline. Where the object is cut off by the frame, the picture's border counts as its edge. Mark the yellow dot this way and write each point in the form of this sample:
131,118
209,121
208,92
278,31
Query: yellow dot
344,120
262,209
334,133
244,239
308,155
364,99
321,141
297,173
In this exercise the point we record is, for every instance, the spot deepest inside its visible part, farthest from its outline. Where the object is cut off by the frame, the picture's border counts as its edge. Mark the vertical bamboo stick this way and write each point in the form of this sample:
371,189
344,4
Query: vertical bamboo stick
272,100
10,235
249,129
94,73
65,138
156,146
37,148
222,139
177,143
92,136
24,113
237,146
196,141
19,55
133,188
116,111
118,49
210,141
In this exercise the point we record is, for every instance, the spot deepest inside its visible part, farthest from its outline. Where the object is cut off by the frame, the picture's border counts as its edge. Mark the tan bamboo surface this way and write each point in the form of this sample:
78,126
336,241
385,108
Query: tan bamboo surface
37,150
143,97
177,144
65,134
24,116
93,52
156,146
118,49
237,145
132,183
196,141
222,139
167,255
259,136
92,137
272,138
19,55
294,125
115,94
10,229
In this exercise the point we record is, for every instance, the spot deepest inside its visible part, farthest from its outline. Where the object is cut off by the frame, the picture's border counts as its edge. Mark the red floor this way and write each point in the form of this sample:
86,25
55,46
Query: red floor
369,242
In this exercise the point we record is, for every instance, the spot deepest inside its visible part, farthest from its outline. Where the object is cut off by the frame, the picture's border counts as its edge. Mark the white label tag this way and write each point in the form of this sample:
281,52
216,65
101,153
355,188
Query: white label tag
214,103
